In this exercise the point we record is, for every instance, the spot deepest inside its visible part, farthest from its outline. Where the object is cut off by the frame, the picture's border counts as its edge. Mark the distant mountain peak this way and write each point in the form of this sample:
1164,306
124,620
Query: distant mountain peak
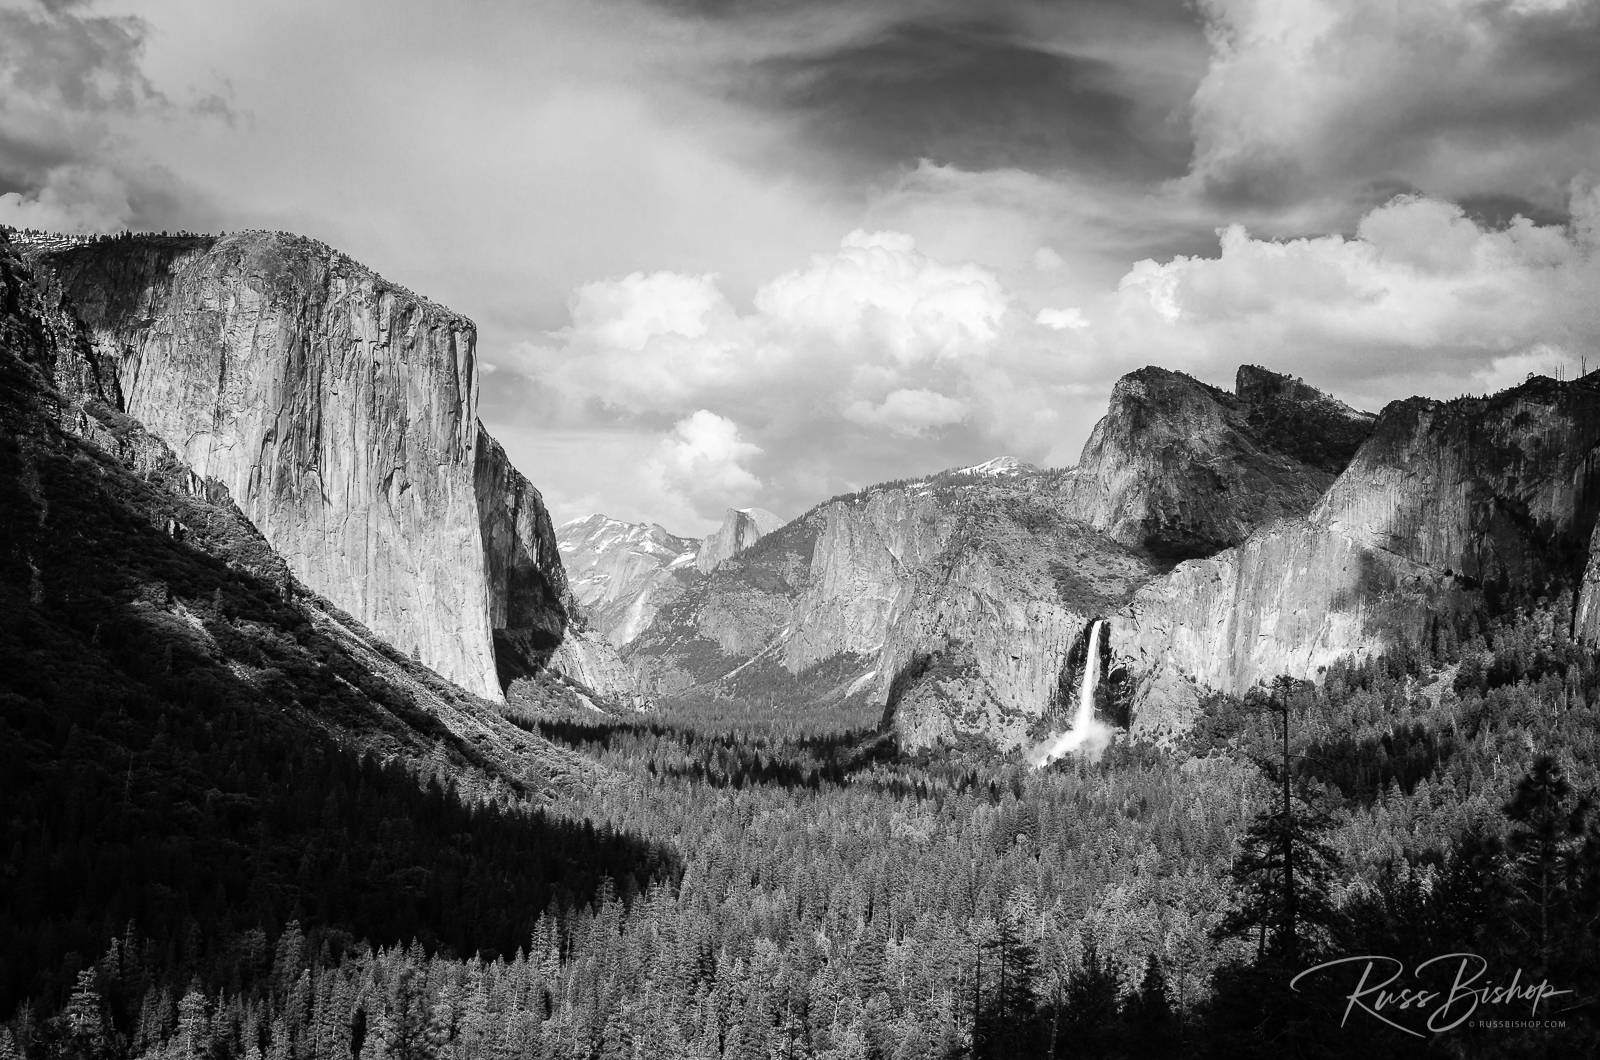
741,528
621,572
1000,465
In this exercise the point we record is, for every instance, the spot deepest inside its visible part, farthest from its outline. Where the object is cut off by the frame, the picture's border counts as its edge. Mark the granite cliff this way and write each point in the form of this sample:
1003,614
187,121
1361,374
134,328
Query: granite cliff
132,586
339,411
741,528
1476,501
1182,469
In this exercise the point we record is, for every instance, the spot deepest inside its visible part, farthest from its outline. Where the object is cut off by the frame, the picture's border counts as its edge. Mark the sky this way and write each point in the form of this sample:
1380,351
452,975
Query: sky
725,253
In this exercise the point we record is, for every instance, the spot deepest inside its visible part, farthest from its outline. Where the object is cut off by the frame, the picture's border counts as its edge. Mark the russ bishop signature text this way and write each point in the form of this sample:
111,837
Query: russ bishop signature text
1438,1007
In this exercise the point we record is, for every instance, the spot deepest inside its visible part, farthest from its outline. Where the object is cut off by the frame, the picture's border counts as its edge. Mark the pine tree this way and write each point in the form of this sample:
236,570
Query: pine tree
1148,1012
1088,1021
1546,840
1284,868
193,1035
1006,1027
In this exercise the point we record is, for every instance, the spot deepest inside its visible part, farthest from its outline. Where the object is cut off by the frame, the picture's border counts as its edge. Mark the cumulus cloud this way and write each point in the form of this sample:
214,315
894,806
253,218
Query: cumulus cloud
852,326
836,370
879,291
627,313
1421,299
704,454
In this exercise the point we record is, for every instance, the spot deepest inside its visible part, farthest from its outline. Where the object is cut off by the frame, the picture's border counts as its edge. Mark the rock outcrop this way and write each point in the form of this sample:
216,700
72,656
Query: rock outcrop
741,528
530,604
623,573
1182,469
980,638
1445,503
139,582
721,622
945,606
340,412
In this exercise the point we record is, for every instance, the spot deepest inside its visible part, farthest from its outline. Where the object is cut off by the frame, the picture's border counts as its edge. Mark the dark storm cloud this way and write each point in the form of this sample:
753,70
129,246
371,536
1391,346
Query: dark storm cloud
52,59
967,94
1036,86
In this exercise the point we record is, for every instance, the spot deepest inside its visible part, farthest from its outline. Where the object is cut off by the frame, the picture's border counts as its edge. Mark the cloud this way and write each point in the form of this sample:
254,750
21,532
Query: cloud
1012,87
1314,110
1061,319
880,292
870,362
702,461
70,198
71,85
1421,299
627,313
853,324
907,412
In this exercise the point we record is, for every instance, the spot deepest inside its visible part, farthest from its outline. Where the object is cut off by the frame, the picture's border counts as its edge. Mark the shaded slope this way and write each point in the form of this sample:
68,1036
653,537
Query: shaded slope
190,740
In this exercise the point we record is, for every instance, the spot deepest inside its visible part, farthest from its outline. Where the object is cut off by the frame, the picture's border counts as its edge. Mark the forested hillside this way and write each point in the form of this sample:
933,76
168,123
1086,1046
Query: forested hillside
836,898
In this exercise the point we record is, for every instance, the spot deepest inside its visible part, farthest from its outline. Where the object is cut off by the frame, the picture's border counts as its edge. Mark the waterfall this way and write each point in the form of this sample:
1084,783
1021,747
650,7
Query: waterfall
1091,679
1087,733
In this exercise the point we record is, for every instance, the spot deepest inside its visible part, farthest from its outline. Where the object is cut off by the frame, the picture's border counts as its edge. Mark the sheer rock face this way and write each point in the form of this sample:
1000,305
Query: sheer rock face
41,329
864,560
741,528
1443,499
979,636
623,573
1182,469
1586,622
340,411
530,603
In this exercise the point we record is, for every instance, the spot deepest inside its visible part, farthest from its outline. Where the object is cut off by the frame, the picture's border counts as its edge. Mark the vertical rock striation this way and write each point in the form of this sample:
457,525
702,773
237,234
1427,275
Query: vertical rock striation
529,600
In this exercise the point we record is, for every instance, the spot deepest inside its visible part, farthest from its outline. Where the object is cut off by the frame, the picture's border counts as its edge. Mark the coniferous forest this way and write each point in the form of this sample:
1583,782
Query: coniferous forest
222,891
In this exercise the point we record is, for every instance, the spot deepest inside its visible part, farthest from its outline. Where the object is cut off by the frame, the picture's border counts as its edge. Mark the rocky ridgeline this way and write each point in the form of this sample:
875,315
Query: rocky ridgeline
339,410
623,573
1445,502
957,604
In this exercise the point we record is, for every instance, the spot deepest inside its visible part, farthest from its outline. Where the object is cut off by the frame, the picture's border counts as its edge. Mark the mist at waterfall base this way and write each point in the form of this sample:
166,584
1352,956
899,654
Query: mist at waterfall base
1088,734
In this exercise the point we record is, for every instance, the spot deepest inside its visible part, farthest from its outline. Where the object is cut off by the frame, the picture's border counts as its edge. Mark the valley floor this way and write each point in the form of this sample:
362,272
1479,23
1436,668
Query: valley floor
833,897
